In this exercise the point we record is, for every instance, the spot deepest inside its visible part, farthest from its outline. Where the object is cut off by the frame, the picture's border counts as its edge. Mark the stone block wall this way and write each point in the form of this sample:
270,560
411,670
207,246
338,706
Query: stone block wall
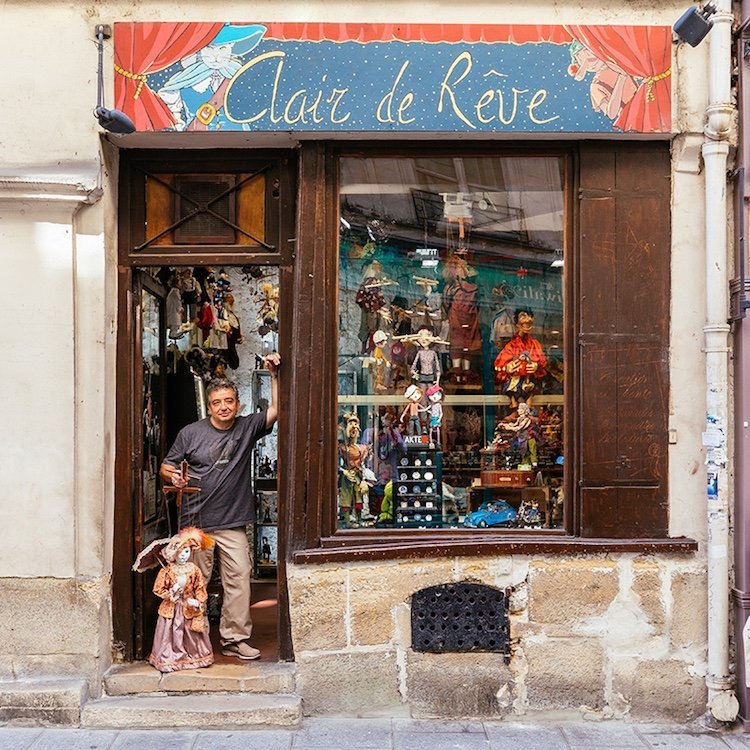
621,636
56,627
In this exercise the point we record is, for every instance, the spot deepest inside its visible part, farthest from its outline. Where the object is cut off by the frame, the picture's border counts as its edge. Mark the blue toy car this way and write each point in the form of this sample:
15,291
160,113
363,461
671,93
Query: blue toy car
491,513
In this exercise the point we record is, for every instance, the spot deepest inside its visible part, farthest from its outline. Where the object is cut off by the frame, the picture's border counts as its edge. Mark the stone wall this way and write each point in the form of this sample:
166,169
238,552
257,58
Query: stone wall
619,636
54,627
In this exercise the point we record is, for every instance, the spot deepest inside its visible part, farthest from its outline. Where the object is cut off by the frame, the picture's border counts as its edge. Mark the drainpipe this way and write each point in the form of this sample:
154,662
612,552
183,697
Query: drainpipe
740,304
722,703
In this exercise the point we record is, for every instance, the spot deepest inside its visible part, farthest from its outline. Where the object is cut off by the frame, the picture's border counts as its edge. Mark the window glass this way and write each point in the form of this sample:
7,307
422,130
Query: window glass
450,349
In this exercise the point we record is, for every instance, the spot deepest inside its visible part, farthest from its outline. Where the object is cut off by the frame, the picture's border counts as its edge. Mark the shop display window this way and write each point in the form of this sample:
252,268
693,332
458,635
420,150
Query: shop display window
451,366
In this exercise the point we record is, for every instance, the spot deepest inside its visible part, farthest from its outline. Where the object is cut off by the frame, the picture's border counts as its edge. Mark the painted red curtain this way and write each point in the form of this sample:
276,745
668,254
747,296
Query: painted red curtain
644,52
419,32
143,48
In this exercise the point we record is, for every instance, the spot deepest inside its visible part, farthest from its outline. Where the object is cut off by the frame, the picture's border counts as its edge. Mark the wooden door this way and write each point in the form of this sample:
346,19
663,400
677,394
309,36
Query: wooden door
150,517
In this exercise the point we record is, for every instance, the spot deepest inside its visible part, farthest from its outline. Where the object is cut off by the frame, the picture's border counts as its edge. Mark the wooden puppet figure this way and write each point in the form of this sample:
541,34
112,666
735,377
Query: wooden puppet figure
413,395
434,395
379,362
521,361
523,429
181,639
426,367
352,487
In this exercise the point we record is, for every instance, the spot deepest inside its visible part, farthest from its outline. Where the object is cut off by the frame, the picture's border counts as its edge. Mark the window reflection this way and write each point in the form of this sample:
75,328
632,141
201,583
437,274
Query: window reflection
451,342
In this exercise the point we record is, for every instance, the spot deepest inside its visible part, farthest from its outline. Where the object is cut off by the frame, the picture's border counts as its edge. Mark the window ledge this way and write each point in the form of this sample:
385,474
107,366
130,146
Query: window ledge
344,548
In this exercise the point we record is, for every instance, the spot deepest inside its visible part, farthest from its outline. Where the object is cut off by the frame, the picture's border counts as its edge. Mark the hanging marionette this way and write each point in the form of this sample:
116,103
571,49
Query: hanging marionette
352,484
268,314
181,639
379,363
371,300
425,367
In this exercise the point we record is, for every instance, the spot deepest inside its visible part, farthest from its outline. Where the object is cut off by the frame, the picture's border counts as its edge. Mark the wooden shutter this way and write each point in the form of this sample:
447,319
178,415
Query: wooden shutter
623,339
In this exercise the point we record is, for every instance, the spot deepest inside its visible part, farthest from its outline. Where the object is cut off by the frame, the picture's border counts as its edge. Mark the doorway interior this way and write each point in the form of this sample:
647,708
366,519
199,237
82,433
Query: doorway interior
195,323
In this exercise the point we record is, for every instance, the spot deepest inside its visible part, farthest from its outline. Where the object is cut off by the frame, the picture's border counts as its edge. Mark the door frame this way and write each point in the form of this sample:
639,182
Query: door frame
280,226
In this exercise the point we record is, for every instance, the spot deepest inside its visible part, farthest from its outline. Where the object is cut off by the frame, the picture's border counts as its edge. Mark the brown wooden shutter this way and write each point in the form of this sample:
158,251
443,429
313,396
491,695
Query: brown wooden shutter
623,339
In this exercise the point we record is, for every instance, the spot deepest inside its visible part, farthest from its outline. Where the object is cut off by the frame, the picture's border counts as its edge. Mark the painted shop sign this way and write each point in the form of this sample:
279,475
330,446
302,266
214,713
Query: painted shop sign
398,78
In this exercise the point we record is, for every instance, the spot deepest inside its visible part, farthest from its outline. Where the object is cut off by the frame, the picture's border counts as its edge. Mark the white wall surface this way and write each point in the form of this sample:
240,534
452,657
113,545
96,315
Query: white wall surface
37,455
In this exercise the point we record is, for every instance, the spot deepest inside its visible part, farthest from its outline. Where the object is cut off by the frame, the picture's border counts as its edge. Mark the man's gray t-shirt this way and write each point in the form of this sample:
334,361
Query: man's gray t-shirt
219,463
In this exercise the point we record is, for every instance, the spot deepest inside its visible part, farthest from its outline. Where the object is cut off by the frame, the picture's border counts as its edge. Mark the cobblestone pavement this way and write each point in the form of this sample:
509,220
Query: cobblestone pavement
386,734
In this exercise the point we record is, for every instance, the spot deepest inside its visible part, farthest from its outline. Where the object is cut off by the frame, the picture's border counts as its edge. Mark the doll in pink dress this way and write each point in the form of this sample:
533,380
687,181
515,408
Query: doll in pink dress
181,639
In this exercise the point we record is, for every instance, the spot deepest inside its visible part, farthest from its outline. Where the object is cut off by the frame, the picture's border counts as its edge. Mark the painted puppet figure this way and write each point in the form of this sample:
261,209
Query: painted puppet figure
181,639
521,361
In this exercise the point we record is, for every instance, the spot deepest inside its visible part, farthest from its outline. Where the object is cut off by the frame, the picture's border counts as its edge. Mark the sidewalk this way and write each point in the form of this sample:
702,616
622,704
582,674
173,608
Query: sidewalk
387,734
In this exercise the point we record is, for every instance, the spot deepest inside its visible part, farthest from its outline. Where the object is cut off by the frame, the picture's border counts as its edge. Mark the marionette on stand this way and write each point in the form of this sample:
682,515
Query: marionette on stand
352,484
521,362
434,395
181,639
524,432
413,410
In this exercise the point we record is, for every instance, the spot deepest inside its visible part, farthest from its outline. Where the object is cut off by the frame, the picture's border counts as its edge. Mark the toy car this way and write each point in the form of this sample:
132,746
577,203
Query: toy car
491,513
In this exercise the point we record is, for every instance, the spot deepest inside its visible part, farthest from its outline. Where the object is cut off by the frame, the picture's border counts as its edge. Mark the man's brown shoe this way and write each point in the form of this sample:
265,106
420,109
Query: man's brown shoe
241,650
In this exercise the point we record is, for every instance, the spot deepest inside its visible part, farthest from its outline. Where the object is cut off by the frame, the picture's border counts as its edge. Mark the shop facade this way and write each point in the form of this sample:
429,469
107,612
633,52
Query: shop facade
478,244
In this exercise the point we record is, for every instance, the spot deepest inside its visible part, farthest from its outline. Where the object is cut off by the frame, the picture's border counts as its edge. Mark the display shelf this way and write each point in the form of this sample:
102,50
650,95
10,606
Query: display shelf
417,493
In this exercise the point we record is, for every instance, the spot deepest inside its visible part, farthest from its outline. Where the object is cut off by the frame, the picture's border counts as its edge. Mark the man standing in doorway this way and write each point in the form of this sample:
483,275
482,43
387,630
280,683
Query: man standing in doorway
218,450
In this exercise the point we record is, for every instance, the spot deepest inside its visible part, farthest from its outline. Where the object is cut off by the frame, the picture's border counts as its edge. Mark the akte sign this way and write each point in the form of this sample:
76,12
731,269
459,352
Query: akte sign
396,78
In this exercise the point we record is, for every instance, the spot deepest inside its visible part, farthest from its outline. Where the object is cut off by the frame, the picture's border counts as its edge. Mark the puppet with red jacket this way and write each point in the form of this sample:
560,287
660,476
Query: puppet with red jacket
521,361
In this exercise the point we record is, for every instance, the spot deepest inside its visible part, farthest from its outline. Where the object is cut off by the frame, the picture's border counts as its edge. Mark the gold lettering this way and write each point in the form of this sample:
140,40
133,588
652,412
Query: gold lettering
501,107
465,58
406,102
301,115
387,100
249,64
313,108
335,99
536,100
484,100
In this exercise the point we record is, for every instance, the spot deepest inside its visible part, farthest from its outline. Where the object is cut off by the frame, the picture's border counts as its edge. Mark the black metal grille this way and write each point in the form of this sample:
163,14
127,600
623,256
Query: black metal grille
194,197
458,617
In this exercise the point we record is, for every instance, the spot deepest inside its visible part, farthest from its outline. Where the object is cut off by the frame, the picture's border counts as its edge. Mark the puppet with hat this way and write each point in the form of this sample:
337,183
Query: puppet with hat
181,639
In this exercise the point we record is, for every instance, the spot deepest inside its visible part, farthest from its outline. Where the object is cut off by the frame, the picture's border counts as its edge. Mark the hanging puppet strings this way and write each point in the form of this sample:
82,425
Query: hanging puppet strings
182,489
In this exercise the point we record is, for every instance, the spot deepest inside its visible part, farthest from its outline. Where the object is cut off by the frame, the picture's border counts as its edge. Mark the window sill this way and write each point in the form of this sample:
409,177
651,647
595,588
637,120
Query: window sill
357,546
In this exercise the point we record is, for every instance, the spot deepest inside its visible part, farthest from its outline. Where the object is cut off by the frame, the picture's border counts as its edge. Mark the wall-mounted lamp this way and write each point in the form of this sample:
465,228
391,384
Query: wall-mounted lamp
558,261
110,119
693,25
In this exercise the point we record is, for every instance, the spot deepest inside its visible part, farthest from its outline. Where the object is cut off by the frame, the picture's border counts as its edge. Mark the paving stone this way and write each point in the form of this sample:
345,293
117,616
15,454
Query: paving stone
153,739
258,739
17,739
588,737
685,741
75,739
737,742
517,736
430,725
343,733
440,741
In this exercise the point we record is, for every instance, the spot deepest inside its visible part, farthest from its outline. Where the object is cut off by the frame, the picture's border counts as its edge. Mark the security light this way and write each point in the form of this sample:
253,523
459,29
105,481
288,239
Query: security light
110,119
693,25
